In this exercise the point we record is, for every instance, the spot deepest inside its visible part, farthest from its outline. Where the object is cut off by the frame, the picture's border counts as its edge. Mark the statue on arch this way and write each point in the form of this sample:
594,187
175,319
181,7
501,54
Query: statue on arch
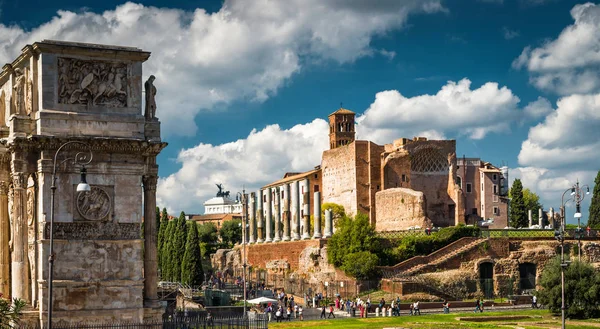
150,111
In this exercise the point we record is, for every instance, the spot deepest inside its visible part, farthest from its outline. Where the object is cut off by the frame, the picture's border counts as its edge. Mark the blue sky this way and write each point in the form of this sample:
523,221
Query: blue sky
242,84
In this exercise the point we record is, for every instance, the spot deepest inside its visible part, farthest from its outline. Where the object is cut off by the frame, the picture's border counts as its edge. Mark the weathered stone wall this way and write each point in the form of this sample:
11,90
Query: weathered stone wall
339,167
399,209
260,254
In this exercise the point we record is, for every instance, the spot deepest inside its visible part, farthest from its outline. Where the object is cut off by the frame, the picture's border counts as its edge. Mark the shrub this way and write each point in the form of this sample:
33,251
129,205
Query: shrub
361,265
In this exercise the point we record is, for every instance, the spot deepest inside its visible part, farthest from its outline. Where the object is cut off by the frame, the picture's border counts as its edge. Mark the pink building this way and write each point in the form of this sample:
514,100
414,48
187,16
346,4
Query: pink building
485,189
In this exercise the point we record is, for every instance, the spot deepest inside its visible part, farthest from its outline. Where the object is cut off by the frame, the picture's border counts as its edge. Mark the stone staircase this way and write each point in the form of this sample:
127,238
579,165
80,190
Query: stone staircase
420,264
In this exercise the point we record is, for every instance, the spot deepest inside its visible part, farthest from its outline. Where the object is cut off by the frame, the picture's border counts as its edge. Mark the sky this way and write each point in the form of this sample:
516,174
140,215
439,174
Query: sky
244,87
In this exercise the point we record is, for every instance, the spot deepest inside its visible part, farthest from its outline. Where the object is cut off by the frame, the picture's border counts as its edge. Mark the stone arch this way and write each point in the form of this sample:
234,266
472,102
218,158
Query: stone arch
429,160
527,276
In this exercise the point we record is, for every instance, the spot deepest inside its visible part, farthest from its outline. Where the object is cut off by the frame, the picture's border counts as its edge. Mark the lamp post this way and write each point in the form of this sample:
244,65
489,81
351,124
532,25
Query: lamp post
80,158
243,199
576,196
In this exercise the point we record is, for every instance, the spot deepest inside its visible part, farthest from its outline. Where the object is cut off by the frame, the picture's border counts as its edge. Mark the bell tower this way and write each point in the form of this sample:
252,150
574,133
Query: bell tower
341,128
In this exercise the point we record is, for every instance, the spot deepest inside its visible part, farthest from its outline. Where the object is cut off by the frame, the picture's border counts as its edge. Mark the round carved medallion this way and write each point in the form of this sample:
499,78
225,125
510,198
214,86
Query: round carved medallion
94,205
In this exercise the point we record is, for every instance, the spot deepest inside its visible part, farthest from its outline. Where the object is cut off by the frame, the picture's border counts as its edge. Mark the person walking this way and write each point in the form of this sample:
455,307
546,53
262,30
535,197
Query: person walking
331,312
477,307
300,313
446,307
416,308
289,313
534,302
322,312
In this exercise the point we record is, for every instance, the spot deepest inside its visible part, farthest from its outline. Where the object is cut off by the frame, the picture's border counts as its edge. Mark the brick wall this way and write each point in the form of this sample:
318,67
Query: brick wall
339,177
260,254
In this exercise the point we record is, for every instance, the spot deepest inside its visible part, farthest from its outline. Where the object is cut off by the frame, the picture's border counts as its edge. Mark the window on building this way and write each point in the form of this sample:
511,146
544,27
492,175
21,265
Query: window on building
495,198
302,190
474,211
459,181
496,211
377,187
495,189
282,195
403,177
264,198
482,210
469,188
494,177
316,175
316,188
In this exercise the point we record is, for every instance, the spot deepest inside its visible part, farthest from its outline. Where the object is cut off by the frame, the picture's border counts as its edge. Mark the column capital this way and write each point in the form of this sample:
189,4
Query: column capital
149,182
19,180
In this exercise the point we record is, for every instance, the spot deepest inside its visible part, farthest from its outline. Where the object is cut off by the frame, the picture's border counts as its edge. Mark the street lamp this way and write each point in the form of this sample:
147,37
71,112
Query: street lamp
242,198
80,158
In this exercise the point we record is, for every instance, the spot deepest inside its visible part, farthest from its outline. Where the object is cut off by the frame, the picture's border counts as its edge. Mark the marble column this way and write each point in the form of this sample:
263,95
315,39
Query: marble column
317,215
20,266
551,218
150,242
328,223
259,217
277,212
305,209
541,218
252,218
4,239
530,216
269,216
295,210
285,215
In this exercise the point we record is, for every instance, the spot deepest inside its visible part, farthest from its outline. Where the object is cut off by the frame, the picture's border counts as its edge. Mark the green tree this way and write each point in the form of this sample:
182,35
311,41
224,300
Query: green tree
582,289
162,231
594,219
191,266
180,236
532,201
209,238
167,254
231,232
361,265
157,221
518,214
352,236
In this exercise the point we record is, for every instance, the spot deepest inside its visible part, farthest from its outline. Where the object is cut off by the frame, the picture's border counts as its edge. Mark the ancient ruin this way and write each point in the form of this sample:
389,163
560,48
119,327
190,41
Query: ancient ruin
89,96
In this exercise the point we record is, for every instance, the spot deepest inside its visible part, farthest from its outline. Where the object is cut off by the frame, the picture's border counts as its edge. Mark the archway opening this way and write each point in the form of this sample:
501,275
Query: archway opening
527,272
486,279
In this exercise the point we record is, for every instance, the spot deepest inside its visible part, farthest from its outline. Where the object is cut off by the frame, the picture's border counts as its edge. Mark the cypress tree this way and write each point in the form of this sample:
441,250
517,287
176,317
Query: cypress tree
594,219
167,254
180,235
162,232
518,215
157,220
191,266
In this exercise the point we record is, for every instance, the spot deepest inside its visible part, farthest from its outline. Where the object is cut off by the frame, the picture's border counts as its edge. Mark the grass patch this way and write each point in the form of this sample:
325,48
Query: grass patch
528,319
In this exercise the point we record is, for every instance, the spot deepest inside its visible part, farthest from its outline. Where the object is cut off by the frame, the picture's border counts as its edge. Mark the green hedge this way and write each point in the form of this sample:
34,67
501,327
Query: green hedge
420,245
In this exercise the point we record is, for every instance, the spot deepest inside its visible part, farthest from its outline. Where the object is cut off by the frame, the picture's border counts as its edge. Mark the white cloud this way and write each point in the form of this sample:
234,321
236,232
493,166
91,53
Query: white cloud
570,63
509,34
538,108
246,50
263,157
568,136
455,109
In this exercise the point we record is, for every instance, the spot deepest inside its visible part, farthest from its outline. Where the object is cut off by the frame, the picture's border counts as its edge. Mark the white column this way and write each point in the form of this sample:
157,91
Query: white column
285,214
277,212
305,189
530,214
328,223
269,216
295,210
541,217
252,218
259,217
317,215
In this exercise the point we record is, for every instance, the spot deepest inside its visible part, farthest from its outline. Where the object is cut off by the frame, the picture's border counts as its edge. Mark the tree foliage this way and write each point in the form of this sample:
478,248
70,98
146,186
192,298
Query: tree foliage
209,238
361,265
178,250
353,236
191,266
518,213
162,231
10,311
231,232
594,219
582,289
166,253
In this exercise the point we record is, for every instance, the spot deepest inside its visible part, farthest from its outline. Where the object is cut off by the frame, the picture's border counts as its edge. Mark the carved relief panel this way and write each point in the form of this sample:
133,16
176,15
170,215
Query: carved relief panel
95,205
92,82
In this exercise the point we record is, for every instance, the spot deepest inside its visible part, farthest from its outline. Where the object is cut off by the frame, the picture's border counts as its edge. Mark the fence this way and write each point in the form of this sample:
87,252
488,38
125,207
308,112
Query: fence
253,321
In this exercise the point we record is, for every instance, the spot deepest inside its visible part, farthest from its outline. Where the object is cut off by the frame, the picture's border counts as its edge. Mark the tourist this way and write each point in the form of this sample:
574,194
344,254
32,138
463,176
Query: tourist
322,312
398,303
534,302
446,307
481,306
296,310
477,306
348,305
331,312
381,303
289,313
412,309
300,313
278,314
269,312
416,308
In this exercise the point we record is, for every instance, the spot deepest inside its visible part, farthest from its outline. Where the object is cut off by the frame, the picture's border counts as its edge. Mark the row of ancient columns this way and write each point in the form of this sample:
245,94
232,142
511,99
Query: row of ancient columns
282,213
540,217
